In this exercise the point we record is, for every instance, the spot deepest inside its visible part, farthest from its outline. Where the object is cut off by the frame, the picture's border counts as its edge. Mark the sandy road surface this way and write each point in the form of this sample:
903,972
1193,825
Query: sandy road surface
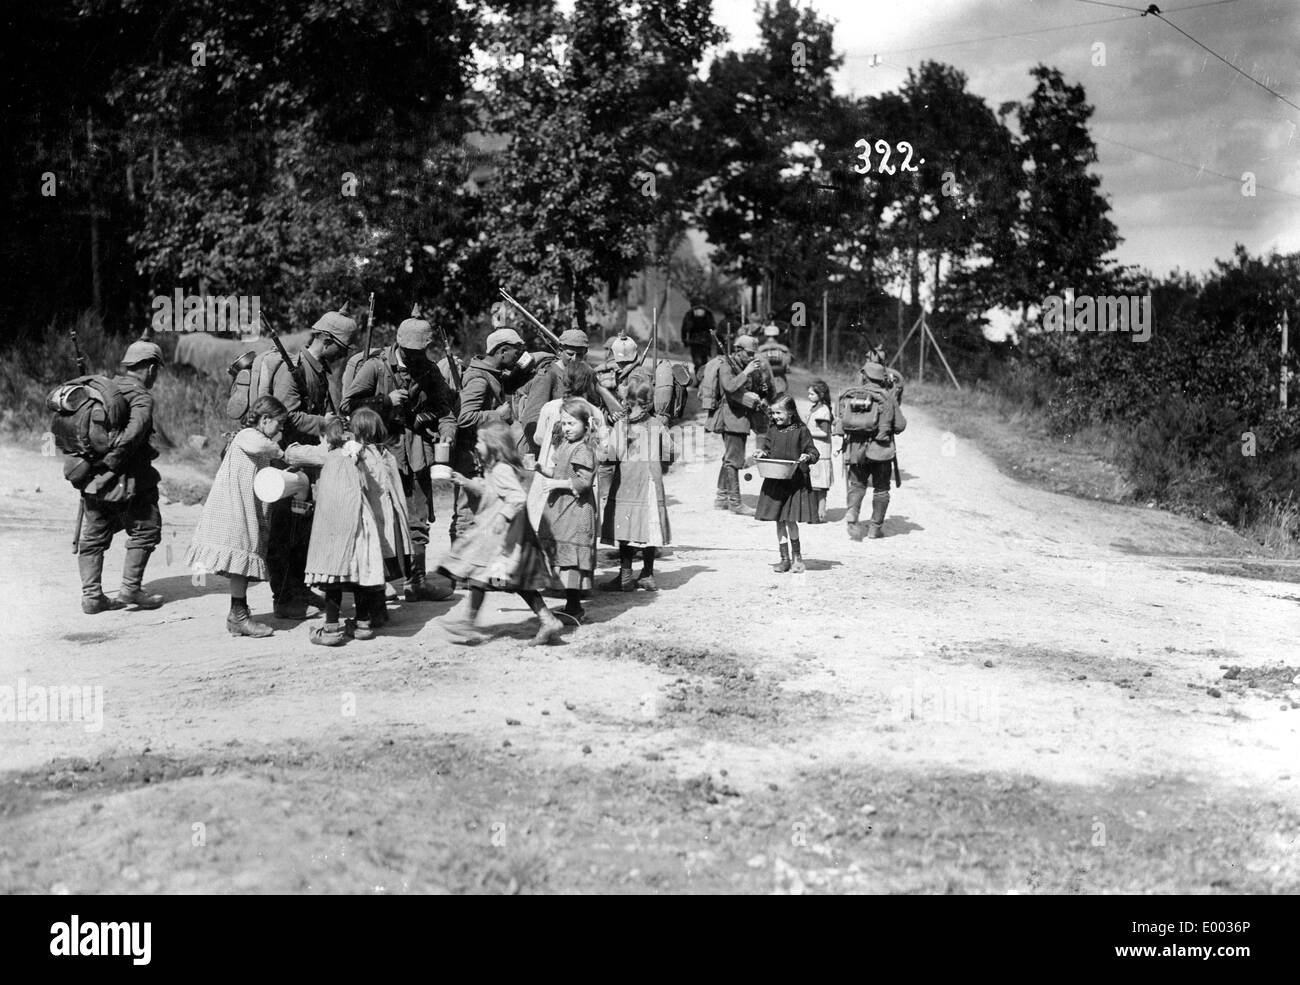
1010,692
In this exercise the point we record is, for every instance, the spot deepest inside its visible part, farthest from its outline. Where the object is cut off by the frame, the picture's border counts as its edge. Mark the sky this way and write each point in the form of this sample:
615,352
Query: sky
1168,113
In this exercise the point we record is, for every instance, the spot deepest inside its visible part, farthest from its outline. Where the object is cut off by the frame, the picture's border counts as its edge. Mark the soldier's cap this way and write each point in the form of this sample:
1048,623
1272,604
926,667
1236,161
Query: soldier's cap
140,351
747,342
771,331
337,326
503,336
575,338
414,333
622,348
874,372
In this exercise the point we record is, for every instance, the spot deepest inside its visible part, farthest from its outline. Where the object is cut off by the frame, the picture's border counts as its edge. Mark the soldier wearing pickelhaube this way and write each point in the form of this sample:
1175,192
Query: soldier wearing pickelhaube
304,389
418,409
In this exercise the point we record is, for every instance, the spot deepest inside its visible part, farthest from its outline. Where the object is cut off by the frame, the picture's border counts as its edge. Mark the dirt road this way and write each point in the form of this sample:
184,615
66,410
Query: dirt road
1014,691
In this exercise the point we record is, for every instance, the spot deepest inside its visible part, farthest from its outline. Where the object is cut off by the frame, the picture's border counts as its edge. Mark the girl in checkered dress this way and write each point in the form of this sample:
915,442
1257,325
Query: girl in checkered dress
231,536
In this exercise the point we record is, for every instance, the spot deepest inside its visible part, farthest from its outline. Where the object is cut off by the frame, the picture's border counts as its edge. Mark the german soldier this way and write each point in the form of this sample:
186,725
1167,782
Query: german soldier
305,392
125,495
418,408
745,393
697,333
483,398
870,455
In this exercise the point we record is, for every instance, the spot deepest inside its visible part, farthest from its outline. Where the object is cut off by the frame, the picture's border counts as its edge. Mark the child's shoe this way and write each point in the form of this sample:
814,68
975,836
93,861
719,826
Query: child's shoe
647,583
328,635
782,566
623,583
361,629
796,564
241,623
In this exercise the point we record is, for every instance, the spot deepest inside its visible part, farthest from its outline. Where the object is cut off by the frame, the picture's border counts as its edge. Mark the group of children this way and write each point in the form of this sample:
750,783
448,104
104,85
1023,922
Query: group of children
593,482
360,538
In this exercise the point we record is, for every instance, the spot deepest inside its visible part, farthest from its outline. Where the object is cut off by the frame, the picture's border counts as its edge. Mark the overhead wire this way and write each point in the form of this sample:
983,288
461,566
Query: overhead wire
1199,168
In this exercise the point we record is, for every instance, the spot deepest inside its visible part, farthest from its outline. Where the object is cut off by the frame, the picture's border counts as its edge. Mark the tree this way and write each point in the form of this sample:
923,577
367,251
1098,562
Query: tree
1064,230
587,187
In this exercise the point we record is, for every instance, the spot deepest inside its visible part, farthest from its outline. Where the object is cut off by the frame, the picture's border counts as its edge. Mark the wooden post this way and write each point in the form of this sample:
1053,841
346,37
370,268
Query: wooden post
825,327
920,373
901,343
1282,391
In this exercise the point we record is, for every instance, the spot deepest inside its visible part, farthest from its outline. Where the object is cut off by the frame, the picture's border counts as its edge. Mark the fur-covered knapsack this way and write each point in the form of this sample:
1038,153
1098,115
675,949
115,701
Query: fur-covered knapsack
858,412
89,413
668,372
252,376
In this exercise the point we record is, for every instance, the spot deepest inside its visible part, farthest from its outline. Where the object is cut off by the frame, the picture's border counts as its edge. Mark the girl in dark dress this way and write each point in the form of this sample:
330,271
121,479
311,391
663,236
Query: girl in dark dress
788,501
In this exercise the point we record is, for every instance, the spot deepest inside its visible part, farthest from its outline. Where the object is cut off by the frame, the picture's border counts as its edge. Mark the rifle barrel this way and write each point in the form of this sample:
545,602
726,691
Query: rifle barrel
548,336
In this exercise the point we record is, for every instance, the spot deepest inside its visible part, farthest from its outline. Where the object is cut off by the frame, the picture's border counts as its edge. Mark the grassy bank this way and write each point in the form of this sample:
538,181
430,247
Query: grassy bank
1111,463
189,414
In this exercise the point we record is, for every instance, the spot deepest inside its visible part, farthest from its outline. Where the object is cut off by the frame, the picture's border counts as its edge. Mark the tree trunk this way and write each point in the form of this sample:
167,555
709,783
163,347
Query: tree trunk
836,334
96,278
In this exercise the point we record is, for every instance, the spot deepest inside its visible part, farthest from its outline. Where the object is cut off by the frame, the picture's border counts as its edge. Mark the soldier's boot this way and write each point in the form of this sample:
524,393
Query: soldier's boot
132,575
421,587
93,599
722,501
879,504
733,493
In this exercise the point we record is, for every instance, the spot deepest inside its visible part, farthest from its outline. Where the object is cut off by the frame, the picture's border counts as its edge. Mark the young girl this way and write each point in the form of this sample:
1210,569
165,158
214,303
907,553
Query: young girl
635,510
359,538
787,501
820,421
231,536
501,551
568,530
579,381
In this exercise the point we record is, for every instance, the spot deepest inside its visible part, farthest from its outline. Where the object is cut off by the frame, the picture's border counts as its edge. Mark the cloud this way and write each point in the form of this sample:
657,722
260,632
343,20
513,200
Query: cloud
1157,91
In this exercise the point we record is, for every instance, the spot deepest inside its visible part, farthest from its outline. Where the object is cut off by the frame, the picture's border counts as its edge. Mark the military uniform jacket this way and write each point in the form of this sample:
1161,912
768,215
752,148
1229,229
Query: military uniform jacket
133,452
697,329
428,399
306,406
737,412
482,396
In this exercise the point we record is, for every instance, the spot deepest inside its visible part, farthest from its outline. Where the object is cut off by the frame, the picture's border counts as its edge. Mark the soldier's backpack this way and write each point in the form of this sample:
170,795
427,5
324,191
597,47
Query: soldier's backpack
88,415
668,372
858,412
354,363
710,389
777,356
252,376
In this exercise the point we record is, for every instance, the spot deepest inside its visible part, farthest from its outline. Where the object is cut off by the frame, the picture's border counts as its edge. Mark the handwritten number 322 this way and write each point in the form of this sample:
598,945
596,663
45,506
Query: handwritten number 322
883,149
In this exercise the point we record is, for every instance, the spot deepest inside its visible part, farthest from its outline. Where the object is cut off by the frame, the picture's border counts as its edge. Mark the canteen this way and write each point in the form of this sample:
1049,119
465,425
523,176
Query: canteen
272,485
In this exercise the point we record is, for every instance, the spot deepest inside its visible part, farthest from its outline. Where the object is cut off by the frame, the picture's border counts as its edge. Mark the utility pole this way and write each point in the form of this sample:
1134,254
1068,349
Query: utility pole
1285,372
825,295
